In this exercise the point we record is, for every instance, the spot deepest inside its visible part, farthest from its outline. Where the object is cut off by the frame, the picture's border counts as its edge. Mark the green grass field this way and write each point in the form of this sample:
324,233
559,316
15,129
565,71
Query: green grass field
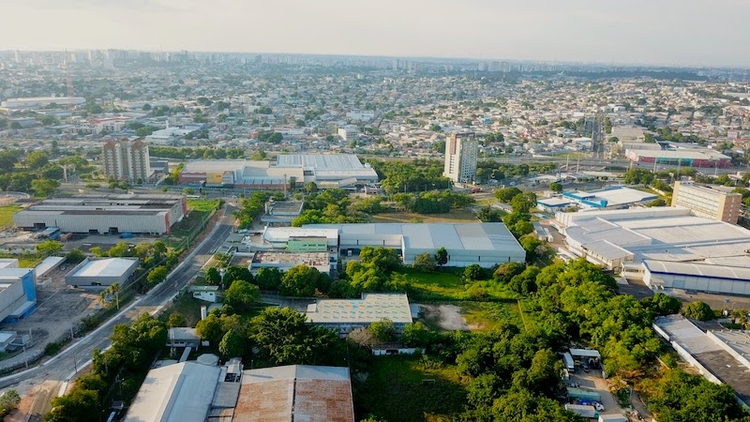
395,390
485,316
205,205
6,214
455,216
447,285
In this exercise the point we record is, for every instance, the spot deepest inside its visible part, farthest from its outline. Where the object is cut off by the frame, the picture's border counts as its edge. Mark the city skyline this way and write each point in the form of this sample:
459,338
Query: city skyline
689,33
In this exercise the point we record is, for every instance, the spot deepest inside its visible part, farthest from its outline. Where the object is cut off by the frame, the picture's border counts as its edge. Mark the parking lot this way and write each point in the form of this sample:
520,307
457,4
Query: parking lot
59,309
593,381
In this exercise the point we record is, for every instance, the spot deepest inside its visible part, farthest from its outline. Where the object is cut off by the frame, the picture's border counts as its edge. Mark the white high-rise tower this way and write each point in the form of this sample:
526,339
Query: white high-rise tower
461,151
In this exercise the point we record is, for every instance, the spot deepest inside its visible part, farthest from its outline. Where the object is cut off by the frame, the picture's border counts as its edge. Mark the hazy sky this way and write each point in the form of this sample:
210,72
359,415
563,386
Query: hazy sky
675,32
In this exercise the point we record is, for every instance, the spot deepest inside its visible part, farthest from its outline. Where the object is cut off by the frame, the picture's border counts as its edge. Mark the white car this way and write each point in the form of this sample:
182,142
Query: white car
598,406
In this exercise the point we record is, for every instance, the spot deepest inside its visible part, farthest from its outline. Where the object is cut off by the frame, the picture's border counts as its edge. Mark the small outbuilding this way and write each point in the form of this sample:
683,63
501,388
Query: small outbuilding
102,272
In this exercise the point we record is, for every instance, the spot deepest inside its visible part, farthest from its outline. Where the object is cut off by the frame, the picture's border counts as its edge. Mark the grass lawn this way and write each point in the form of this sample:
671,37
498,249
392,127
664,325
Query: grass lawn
395,392
447,285
189,307
455,216
6,214
483,316
205,205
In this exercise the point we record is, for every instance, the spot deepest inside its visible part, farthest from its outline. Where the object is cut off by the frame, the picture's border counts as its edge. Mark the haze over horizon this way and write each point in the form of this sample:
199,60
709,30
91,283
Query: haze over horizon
667,32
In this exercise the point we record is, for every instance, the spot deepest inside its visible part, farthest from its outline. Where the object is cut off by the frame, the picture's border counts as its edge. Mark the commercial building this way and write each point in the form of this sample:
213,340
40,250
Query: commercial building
102,272
106,214
296,393
702,158
668,248
186,392
614,197
461,152
486,244
194,392
334,170
344,315
38,102
348,133
126,160
281,213
284,261
720,356
17,291
706,202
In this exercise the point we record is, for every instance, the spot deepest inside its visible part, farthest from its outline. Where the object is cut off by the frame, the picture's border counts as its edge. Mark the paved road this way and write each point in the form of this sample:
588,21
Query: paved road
68,362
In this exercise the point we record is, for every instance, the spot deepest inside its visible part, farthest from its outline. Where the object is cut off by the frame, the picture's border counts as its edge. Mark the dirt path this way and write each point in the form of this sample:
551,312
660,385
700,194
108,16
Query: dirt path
447,317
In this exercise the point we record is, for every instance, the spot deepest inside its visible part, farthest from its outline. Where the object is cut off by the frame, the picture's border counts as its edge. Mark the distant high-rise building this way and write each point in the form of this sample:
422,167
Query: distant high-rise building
706,202
18,56
461,151
126,160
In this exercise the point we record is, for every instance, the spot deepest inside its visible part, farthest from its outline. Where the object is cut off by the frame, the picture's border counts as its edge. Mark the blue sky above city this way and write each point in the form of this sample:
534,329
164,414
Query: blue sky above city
668,32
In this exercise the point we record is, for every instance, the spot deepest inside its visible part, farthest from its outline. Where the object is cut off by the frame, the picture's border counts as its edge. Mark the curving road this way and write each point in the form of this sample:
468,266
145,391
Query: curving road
65,365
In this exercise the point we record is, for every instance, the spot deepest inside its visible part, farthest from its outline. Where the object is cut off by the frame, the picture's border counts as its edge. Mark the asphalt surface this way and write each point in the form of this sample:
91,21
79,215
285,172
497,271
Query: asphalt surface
65,365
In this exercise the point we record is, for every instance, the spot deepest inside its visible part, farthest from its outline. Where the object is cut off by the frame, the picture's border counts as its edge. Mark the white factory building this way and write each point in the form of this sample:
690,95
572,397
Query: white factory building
326,170
37,102
486,244
17,291
105,214
668,248
102,272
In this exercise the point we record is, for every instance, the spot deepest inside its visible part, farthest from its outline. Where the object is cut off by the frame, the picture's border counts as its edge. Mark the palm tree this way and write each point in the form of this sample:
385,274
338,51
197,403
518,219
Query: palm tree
115,288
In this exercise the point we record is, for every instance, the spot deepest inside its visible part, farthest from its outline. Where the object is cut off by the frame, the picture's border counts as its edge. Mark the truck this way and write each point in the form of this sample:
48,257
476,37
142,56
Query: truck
583,410
580,393
569,363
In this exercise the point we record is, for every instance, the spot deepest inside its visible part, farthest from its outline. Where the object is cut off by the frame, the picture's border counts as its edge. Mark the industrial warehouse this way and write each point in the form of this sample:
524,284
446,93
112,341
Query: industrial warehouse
485,244
102,272
108,214
328,171
17,291
668,248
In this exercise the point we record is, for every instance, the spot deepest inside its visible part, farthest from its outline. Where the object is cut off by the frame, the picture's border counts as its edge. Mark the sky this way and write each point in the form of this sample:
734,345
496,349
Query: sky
665,32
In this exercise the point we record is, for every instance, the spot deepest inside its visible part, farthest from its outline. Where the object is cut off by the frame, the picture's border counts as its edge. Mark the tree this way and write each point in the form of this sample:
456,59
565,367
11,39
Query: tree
75,256
311,187
176,320
210,328
487,214
300,281
213,277
383,331
8,402
49,247
661,304
385,259
505,272
441,256
474,272
532,245
424,262
157,275
699,311
241,295
283,337
78,405
36,160
44,187
556,187
507,194
232,345
416,335
268,278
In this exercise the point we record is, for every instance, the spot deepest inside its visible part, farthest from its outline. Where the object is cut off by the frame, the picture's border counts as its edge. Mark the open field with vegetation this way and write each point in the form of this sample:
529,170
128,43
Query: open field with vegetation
454,216
448,285
409,388
6,214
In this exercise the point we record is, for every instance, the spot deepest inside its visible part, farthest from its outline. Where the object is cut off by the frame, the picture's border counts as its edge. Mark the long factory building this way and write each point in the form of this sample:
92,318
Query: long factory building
108,214
666,247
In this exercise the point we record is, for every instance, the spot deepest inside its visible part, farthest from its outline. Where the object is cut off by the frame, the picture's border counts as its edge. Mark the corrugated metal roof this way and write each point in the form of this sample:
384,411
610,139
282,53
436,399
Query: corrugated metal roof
372,307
